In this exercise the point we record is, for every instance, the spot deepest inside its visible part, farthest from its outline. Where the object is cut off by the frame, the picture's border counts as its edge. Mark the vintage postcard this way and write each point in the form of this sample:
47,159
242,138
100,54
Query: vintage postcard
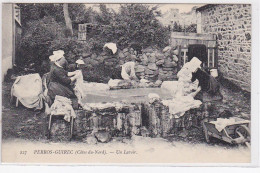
162,84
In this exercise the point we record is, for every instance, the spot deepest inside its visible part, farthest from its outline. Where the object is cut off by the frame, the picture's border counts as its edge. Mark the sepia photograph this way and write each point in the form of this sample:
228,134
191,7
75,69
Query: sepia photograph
129,83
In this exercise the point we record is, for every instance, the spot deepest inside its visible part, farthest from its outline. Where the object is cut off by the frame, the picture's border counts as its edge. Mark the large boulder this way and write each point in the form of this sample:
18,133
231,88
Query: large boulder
103,136
91,140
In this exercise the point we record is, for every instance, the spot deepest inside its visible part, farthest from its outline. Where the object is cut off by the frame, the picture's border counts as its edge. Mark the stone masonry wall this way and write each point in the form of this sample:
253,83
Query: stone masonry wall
232,25
152,64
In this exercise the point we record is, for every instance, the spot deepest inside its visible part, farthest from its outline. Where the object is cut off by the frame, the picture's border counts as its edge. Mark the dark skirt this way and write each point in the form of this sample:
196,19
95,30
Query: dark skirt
55,88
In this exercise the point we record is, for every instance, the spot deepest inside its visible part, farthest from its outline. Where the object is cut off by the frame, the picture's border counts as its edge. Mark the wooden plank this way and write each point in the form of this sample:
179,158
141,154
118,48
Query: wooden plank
208,36
208,57
192,38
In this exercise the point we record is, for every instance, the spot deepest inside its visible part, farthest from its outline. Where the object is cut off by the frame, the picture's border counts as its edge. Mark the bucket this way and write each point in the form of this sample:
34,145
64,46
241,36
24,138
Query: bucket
214,72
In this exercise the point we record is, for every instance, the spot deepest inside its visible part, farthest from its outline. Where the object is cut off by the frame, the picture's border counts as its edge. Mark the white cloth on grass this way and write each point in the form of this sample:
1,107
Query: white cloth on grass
28,90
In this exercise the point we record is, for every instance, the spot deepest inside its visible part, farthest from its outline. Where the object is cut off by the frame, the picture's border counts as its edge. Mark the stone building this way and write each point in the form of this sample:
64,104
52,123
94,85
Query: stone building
232,25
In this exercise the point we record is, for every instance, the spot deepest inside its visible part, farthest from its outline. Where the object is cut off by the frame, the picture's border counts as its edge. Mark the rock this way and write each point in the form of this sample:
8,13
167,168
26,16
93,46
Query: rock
125,50
86,55
175,58
103,136
109,63
121,62
162,77
160,56
160,62
168,64
167,68
152,58
121,55
174,64
90,61
91,140
135,131
144,81
144,59
148,50
168,48
183,134
176,52
100,59
93,56
158,83
110,60
167,54
152,66
139,68
144,132
127,54
107,57
133,57
127,141
148,71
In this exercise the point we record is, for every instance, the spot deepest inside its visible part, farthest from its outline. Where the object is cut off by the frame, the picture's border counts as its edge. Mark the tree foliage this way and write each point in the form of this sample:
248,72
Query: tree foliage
44,29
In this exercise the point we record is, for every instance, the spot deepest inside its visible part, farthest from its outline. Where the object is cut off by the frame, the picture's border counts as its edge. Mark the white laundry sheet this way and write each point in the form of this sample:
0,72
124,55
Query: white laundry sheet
178,106
221,123
28,90
63,106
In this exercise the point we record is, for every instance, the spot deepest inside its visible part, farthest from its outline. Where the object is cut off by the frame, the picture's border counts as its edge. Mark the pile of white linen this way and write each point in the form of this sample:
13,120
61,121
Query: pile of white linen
63,106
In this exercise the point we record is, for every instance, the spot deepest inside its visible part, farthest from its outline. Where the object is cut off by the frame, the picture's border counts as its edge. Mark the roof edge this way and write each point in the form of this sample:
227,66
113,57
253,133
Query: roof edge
205,7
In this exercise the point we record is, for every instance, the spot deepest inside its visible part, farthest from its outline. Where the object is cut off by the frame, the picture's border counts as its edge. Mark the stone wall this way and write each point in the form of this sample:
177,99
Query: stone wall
232,25
152,64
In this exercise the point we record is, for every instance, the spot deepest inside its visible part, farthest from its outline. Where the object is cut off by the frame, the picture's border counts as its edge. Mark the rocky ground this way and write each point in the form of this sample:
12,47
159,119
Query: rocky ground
22,123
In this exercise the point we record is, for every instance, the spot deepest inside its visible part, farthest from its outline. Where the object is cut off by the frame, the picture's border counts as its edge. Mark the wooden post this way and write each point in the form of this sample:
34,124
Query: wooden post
179,58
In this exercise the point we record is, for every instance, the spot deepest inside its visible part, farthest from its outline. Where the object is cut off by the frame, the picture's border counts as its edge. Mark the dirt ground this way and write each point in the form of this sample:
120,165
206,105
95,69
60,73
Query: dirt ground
22,123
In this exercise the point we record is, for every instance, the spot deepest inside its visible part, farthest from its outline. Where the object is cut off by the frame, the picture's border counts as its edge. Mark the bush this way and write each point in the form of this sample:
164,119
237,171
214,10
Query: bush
36,40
